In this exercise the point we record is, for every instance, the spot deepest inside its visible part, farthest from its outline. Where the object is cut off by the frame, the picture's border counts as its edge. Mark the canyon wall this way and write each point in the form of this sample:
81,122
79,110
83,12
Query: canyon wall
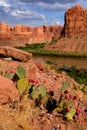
27,34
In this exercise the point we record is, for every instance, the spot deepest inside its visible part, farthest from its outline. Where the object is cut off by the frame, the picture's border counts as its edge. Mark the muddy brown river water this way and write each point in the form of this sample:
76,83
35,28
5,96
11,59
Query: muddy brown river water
79,62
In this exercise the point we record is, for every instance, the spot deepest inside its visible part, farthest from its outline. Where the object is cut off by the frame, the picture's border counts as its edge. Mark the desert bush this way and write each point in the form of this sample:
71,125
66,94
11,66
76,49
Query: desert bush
80,75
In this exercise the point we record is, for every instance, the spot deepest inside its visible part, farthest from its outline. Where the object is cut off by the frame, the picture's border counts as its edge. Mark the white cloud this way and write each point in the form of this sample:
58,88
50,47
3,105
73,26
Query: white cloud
4,3
27,14
36,12
14,13
57,22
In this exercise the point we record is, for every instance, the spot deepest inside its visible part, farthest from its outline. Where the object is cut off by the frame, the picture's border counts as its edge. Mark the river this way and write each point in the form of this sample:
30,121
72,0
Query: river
79,62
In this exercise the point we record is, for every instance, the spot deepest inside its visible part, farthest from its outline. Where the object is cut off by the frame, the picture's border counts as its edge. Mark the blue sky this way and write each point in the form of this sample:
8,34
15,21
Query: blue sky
36,12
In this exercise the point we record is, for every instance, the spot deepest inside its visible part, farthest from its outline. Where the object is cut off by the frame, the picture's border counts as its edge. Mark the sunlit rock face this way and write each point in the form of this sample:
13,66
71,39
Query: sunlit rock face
75,22
26,34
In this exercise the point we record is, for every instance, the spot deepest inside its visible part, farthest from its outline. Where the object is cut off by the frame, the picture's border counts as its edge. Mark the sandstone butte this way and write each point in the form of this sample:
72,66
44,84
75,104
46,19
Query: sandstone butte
75,22
74,33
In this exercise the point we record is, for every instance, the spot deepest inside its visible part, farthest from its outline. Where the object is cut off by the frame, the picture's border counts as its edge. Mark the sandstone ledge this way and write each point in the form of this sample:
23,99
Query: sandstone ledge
17,54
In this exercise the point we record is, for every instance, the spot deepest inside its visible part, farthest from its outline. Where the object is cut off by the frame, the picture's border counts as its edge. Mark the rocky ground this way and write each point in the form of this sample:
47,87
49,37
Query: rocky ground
19,112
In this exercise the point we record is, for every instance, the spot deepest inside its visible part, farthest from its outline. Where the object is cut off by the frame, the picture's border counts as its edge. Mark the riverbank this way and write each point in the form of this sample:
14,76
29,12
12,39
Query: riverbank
38,49
75,68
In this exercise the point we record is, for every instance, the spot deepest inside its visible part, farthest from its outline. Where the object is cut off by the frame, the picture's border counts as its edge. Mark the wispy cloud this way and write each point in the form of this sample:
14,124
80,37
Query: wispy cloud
26,13
36,12
54,7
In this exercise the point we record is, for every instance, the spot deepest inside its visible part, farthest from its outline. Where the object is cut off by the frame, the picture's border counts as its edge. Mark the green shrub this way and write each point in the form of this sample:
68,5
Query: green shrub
33,46
80,75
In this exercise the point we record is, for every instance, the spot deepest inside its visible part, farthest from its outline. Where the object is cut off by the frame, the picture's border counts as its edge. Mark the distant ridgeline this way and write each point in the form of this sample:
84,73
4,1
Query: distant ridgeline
28,34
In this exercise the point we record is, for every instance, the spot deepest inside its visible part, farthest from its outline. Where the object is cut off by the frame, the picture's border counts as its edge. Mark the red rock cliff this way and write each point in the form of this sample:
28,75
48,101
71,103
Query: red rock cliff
75,22
26,34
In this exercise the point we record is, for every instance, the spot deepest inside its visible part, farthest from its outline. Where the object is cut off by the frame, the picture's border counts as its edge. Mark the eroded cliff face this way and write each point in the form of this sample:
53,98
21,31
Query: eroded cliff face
27,34
74,32
75,22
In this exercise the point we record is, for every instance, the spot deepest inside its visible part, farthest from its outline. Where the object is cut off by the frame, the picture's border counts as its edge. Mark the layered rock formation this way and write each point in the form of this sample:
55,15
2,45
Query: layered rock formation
25,34
74,32
75,22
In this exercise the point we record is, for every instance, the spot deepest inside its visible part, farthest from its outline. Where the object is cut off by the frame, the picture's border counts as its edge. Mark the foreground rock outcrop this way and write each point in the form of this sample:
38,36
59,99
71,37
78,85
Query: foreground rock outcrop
75,22
16,54
8,91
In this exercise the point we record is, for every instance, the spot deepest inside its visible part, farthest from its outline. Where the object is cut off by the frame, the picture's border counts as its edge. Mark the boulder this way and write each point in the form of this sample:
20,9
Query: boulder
75,22
16,54
8,91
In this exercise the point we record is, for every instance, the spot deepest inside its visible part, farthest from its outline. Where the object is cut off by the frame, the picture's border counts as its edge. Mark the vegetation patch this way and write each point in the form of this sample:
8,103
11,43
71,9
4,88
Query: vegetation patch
34,46
67,105
79,74
38,49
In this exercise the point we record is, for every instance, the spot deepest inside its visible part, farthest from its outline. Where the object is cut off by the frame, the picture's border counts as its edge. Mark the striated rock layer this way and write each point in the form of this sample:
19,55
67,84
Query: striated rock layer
25,34
75,22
